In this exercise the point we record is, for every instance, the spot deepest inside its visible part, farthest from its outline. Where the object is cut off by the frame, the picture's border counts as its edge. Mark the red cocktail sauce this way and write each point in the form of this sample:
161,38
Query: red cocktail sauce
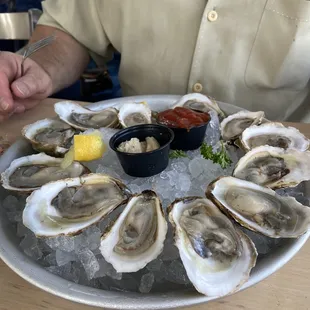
183,118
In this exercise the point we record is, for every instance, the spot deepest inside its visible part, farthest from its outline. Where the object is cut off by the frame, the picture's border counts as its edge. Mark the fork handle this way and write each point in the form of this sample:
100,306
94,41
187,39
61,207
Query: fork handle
22,66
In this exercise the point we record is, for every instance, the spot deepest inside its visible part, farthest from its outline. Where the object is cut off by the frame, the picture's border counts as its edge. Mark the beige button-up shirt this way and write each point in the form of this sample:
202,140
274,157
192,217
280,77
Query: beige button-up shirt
251,53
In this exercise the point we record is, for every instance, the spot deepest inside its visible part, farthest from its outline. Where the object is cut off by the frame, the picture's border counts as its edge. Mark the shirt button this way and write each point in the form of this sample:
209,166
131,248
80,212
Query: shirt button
212,16
197,88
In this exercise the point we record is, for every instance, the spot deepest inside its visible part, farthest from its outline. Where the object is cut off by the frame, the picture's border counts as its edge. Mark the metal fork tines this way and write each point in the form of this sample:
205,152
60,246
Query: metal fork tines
34,47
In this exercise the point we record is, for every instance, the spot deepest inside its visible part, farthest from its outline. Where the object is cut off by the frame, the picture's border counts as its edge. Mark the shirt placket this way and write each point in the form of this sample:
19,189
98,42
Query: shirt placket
210,15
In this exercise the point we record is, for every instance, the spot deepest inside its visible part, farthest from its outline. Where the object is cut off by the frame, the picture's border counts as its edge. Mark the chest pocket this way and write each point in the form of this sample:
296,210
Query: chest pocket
280,55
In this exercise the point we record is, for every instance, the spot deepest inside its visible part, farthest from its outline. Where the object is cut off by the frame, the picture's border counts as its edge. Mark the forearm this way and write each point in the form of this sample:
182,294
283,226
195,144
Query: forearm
64,60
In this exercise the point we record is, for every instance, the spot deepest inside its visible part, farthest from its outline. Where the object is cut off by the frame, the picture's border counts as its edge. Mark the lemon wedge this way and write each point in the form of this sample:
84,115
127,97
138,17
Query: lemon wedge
68,159
86,147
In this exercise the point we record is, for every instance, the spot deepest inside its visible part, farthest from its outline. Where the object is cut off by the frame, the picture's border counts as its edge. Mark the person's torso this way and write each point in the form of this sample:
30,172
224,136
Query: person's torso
251,53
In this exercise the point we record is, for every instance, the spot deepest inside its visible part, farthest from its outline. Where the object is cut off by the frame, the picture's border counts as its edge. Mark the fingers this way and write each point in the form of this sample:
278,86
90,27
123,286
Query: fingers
6,99
19,109
27,103
20,93
8,71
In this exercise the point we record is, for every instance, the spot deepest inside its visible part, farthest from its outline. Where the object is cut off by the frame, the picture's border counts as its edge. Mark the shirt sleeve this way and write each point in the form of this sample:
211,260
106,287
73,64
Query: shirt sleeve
81,20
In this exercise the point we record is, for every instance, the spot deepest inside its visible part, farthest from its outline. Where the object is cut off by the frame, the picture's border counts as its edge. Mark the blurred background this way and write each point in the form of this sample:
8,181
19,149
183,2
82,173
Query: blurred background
95,84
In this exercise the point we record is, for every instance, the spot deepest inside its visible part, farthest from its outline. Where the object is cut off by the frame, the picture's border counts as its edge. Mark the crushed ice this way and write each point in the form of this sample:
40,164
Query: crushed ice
78,258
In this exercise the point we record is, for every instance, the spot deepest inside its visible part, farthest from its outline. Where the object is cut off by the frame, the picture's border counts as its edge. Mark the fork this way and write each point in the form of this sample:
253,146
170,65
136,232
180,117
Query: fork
34,47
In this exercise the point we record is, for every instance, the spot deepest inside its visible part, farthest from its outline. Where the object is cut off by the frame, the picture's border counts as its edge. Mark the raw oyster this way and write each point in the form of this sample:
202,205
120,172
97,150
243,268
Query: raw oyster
137,237
50,136
274,134
217,256
83,118
259,208
200,103
28,173
131,114
233,125
274,167
66,207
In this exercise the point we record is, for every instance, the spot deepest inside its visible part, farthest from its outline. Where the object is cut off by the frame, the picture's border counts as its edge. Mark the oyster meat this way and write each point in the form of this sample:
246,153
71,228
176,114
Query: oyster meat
274,167
233,125
50,136
274,134
31,172
131,114
217,256
134,145
199,102
260,209
66,207
137,237
83,118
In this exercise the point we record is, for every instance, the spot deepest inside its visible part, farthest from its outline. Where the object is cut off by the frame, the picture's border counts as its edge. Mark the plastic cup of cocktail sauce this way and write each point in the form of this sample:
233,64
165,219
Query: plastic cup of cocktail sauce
144,164
188,139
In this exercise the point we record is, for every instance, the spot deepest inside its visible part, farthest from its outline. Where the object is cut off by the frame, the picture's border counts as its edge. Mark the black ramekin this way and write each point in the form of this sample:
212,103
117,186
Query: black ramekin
149,163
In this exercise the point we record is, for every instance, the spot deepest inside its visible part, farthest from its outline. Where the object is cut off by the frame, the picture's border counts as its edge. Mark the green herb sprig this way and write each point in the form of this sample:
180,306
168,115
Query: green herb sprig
177,154
221,157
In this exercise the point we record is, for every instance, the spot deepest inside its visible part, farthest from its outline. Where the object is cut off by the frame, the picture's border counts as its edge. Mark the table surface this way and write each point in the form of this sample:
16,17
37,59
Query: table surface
288,288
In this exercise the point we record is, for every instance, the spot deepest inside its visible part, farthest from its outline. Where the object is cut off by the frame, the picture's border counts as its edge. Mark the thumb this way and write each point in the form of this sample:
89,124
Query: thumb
34,82
26,86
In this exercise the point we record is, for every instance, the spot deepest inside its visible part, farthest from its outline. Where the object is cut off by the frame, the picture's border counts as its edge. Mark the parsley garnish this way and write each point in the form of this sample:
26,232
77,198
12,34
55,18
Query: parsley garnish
177,154
221,157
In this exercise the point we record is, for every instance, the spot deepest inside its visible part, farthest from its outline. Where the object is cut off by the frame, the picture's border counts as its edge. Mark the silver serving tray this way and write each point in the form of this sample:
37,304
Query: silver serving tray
32,272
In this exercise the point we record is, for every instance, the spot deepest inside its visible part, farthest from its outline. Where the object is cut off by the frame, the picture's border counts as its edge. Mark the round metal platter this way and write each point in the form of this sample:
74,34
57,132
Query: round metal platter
32,272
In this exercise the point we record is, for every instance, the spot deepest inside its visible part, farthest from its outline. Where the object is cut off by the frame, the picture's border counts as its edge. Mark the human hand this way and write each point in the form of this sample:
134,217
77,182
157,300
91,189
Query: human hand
19,93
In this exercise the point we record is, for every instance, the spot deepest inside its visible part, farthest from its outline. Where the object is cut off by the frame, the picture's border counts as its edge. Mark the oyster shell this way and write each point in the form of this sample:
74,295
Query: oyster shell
274,167
50,136
259,208
137,237
274,134
68,206
131,114
233,125
28,173
199,102
83,118
217,256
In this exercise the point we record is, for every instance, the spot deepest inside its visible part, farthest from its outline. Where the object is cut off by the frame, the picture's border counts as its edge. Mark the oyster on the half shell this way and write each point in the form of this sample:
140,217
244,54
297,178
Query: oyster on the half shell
66,207
259,208
28,173
137,236
131,114
274,167
274,134
50,136
218,257
200,103
83,118
233,125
